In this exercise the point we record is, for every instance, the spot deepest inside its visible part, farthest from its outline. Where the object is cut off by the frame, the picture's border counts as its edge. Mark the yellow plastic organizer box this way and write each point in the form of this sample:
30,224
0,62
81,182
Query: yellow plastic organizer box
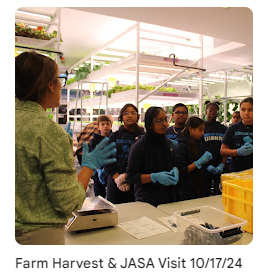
237,197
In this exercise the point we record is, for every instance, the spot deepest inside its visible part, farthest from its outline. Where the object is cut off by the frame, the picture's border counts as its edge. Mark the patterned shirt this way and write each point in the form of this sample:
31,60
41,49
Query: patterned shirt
86,135
46,185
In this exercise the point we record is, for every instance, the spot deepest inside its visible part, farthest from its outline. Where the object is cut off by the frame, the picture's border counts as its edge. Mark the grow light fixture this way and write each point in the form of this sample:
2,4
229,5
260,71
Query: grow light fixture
148,73
184,84
228,77
106,58
32,13
108,52
155,67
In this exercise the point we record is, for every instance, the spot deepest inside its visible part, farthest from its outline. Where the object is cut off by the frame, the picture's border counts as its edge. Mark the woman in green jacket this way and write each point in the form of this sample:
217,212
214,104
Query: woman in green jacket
47,187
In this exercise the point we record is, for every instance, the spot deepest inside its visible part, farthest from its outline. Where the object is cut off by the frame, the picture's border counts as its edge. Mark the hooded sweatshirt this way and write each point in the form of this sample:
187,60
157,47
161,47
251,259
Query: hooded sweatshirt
190,184
152,153
123,139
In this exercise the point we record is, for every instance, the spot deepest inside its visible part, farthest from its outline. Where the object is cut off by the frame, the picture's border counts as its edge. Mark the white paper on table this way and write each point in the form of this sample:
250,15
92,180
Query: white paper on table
169,221
142,228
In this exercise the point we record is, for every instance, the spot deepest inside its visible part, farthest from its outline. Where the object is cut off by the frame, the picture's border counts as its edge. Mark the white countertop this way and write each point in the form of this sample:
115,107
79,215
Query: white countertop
135,210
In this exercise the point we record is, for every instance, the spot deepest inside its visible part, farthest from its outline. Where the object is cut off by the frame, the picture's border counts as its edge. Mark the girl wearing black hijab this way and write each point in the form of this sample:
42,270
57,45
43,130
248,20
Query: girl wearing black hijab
151,162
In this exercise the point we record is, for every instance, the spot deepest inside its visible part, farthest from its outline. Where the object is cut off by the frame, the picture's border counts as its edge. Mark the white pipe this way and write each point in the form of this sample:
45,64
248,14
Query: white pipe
106,111
225,98
195,109
201,81
137,65
57,58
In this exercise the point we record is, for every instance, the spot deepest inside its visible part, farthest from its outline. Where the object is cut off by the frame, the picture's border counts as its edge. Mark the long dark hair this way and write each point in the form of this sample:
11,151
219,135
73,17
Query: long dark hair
193,122
150,115
195,152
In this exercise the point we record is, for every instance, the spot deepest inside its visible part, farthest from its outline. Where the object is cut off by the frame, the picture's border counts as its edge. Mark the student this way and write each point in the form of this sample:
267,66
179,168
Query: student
104,126
118,188
191,160
180,116
213,134
235,117
85,135
47,187
238,140
151,162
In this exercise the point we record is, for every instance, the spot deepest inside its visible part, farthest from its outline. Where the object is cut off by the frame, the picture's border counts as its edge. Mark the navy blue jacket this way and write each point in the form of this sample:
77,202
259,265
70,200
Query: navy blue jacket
234,139
97,138
213,135
170,133
150,155
191,185
123,139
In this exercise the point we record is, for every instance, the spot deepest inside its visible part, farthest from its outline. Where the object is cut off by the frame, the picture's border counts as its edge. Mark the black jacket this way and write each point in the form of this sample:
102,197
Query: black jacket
123,139
191,184
213,135
97,138
151,154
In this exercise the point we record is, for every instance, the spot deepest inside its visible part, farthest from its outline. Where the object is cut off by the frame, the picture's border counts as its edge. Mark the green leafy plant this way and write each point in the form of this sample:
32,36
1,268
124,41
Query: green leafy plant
83,72
38,33
231,107
119,88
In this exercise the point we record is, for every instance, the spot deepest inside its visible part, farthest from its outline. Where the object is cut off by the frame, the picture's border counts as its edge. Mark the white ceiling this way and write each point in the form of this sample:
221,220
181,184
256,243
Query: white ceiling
85,29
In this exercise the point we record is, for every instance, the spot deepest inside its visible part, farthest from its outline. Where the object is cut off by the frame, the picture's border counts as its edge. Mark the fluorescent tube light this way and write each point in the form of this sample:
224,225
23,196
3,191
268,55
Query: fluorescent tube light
114,53
34,14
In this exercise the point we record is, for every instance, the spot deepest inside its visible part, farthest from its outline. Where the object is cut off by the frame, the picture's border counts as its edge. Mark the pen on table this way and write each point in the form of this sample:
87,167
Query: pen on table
172,223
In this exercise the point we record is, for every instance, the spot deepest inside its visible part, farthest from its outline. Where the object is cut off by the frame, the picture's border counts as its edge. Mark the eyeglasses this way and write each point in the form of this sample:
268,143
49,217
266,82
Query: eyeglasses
127,113
63,80
179,113
161,121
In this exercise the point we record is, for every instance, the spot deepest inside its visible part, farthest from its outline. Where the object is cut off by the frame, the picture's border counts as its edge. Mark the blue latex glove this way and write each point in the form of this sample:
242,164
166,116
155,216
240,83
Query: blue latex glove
99,156
175,142
247,139
101,176
165,178
175,173
203,159
219,169
245,150
211,169
68,130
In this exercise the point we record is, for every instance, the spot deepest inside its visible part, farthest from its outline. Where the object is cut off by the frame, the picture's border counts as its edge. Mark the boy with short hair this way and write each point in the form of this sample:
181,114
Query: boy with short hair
180,116
104,126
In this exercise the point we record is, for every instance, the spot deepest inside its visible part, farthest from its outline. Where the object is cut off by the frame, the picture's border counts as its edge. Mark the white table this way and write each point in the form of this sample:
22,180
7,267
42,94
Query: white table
213,201
116,236
135,210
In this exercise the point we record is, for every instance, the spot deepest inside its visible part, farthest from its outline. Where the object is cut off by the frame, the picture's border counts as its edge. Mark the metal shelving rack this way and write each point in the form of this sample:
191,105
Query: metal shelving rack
49,46
138,63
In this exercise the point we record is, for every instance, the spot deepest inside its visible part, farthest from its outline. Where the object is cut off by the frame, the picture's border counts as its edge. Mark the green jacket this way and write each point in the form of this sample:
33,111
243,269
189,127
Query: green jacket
46,185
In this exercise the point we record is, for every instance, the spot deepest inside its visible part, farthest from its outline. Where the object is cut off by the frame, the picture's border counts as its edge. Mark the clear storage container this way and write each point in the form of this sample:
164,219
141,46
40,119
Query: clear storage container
207,225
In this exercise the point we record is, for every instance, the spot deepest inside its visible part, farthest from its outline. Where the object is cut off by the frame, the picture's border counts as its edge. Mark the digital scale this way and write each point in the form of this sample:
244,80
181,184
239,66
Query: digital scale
96,212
